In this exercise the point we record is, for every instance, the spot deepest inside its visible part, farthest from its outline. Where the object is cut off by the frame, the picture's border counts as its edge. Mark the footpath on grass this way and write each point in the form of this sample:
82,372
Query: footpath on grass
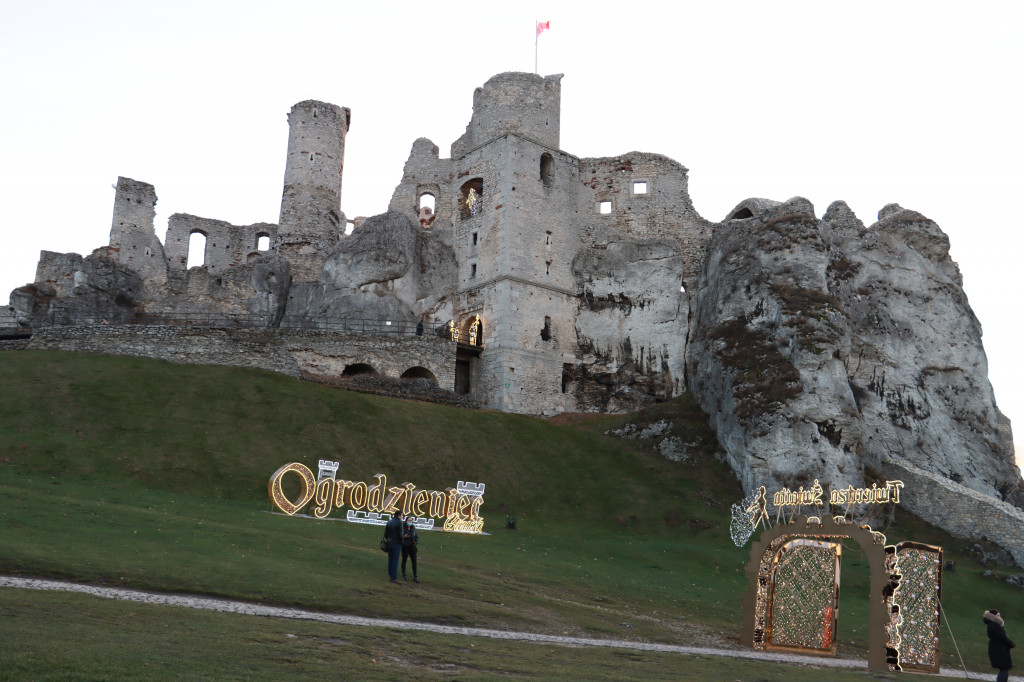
250,609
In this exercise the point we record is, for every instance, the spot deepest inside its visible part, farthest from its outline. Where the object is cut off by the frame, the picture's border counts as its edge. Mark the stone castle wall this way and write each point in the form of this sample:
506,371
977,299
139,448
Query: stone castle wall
286,351
956,508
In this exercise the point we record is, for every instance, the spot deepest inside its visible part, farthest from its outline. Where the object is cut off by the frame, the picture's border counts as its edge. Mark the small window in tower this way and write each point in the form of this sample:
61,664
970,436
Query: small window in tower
640,187
547,238
475,236
547,170
547,269
545,333
311,157
604,207
472,270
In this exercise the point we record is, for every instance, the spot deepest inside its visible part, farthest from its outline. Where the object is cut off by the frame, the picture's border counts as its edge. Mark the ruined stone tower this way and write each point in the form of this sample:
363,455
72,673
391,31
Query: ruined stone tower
133,240
515,242
311,218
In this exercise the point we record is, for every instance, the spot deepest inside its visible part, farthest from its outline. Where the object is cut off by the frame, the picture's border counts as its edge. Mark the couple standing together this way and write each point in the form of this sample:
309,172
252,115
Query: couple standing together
402,539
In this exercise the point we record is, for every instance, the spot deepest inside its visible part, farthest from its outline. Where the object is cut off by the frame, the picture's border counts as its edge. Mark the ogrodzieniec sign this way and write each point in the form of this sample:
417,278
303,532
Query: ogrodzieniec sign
374,503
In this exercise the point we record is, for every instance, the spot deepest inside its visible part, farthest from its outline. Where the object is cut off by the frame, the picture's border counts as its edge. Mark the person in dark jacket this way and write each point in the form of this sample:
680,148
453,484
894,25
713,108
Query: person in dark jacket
393,533
409,542
999,645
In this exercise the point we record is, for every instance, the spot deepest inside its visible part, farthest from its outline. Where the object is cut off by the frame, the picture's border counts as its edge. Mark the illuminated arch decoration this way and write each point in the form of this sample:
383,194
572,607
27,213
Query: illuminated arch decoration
914,605
792,598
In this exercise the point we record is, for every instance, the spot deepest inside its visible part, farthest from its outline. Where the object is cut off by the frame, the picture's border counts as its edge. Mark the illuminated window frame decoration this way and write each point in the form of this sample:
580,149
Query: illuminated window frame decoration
457,508
894,643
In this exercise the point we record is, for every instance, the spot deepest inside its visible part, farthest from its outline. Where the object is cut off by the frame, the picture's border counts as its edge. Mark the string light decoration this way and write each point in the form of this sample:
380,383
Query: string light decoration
916,577
458,507
792,599
802,598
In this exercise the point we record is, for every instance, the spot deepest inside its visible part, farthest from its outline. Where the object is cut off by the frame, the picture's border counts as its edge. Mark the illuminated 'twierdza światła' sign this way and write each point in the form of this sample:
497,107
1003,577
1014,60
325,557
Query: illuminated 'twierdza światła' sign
374,503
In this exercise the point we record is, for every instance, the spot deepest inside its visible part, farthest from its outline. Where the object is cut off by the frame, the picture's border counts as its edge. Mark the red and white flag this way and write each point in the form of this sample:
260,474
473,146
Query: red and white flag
542,25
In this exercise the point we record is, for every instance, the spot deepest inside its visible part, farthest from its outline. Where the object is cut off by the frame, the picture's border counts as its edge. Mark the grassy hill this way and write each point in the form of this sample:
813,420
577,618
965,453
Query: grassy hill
153,475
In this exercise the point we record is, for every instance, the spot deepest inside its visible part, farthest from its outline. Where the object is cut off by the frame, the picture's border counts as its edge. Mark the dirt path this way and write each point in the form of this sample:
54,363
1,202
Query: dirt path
250,609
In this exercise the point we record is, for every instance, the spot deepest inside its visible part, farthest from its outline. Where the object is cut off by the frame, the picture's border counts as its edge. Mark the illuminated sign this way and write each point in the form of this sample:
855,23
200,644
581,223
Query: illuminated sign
374,503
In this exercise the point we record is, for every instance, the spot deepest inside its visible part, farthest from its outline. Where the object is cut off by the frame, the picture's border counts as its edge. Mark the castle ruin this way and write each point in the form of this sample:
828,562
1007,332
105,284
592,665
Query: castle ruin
534,281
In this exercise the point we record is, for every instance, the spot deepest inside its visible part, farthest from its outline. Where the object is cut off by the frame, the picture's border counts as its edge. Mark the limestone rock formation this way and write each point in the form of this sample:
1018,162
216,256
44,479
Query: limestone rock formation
389,269
822,349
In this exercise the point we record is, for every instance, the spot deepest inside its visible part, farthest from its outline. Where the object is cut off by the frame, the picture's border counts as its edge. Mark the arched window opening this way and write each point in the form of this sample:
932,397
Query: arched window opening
196,250
263,242
547,170
358,369
418,373
471,197
426,200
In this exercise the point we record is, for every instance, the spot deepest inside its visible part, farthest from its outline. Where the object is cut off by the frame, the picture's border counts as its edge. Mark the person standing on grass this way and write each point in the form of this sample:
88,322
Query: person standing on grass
410,540
999,645
393,536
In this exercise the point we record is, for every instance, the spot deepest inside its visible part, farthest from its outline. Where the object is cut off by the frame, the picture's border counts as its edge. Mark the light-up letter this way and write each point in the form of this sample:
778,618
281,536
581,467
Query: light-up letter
357,498
375,499
323,497
277,495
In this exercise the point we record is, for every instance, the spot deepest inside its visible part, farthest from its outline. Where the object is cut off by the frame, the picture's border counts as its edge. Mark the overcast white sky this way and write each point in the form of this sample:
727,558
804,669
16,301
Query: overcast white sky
918,103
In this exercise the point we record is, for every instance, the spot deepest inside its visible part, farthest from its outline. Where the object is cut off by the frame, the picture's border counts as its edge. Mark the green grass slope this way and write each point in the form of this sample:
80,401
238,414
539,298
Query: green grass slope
153,475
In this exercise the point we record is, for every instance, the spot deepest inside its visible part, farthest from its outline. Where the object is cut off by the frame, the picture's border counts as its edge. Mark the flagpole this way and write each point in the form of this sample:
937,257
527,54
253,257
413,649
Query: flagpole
536,38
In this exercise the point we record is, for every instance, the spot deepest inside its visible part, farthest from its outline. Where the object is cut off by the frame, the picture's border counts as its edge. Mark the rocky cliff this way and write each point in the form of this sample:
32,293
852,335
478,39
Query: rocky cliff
825,350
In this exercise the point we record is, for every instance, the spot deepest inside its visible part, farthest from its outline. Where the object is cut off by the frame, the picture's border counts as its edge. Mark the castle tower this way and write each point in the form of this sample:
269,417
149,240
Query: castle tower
311,218
515,232
133,241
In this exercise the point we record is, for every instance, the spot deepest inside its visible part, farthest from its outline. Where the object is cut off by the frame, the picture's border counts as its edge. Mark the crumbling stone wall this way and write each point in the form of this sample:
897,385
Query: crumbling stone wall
286,351
227,245
964,512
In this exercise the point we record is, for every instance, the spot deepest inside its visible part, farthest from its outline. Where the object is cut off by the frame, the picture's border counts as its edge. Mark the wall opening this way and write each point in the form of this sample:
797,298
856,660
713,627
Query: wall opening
547,170
640,187
545,333
547,268
471,198
426,200
547,238
263,241
196,250
472,270
604,207
251,257
358,369
475,237
418,373
568,378
742,214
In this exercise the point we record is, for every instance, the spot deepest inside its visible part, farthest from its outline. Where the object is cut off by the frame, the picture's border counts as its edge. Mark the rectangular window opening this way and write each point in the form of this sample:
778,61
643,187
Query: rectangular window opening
639,187
604,207
472,270
474,238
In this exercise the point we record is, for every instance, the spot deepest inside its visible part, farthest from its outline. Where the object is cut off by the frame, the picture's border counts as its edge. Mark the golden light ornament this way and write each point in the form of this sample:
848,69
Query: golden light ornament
277,495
